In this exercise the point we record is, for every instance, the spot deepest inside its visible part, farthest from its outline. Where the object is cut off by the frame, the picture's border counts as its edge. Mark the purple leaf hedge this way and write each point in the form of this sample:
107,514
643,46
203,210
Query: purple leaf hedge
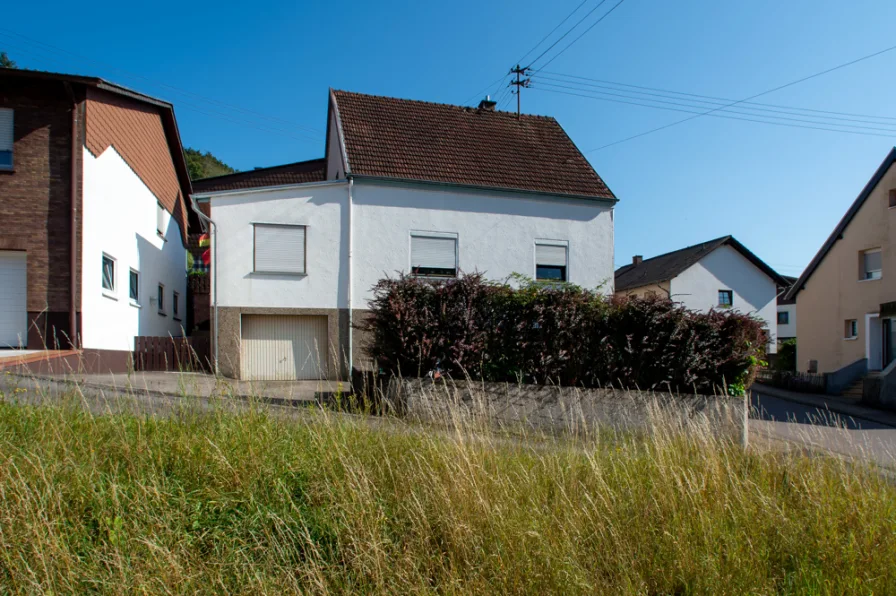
557,334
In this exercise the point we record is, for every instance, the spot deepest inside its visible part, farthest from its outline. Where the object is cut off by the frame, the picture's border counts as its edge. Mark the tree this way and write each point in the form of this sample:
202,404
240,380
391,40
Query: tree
6,61
205,165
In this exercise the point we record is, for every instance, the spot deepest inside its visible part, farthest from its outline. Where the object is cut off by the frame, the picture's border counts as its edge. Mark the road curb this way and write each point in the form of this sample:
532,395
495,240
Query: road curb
830,404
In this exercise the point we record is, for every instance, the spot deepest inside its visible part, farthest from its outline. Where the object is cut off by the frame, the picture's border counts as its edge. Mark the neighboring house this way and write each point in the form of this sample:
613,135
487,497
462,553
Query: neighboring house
720,273
406,186
93,190
786,312
846,297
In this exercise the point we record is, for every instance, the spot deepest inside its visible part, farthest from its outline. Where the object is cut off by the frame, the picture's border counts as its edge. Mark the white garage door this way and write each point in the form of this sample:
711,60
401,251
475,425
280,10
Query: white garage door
283,348
13,294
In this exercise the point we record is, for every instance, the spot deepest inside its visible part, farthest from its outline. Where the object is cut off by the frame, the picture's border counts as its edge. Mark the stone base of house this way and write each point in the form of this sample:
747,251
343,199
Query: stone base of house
50,330
338,329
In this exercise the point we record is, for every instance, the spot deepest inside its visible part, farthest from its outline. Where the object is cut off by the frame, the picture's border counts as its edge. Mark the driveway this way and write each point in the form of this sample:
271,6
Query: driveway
776,416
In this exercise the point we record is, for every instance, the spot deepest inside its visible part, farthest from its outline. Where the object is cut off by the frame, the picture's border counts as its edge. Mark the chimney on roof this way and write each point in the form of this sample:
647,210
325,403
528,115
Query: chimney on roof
637,260
487,104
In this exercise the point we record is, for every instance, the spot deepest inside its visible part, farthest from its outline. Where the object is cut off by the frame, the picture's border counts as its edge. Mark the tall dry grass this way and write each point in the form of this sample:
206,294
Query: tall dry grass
248,501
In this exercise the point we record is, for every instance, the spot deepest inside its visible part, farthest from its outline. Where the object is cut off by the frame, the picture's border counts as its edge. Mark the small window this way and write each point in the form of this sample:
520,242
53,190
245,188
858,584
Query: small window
851,329
783,318
893,197
872,264
726,298
134,286
434,255
161,299
6,138
550,262
108,273
279,249
175,305
160,220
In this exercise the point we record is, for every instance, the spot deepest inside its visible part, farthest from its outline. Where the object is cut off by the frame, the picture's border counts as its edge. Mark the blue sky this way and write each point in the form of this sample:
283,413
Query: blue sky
249,83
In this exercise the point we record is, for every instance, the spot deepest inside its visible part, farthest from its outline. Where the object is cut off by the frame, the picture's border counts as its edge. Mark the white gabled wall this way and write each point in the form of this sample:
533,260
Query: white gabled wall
496,232
788,330
120,219
496,235
320,207
725,268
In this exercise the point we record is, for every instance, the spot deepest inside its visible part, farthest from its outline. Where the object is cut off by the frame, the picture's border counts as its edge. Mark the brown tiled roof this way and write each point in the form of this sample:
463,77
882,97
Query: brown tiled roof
418,140
291,173
666,266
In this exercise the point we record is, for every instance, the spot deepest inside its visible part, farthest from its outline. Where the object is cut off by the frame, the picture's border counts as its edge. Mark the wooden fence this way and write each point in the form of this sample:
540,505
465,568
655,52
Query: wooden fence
793,381
171,353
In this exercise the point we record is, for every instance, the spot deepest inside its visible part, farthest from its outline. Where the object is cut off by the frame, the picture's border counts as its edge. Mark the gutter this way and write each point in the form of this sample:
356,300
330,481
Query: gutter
213,231
609,202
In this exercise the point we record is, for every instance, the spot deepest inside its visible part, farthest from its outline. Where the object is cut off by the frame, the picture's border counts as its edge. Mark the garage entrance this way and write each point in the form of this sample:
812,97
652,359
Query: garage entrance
283,347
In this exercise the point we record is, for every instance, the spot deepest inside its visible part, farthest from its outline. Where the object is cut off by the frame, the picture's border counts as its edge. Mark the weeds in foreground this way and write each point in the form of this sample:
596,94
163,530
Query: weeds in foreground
251,502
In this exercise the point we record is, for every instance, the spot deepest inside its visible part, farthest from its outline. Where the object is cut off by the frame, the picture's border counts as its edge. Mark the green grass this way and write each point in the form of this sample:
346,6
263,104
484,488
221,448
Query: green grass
252,502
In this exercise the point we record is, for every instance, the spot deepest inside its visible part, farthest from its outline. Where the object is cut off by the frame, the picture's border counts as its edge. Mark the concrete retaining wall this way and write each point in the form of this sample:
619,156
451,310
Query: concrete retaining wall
562,409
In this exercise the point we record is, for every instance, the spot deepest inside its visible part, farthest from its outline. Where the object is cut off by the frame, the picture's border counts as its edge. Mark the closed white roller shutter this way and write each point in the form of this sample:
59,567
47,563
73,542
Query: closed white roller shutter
13,299
431,252
551,255
279,249
284,347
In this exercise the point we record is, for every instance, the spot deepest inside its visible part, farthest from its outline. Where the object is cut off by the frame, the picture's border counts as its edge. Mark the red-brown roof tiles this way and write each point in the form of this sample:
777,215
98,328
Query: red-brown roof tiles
418,140
293,173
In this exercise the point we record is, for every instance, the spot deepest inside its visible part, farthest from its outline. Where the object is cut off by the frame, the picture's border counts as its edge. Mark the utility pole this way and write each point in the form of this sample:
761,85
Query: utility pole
519,83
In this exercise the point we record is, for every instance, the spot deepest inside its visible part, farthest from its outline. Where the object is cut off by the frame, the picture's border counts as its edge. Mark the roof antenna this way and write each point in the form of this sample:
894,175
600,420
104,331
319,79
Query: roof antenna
519,83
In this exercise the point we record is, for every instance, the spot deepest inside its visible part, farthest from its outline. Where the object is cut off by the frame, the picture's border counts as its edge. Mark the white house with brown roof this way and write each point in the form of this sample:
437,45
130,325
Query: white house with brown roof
720,273
407,186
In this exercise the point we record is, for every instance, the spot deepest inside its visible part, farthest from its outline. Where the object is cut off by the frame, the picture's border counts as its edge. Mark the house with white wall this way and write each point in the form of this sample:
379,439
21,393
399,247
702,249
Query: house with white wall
721,273
407,187
786,312
93,191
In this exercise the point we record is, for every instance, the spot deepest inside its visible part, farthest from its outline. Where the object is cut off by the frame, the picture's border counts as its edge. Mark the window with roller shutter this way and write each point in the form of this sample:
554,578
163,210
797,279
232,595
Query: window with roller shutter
551,261
6,138
280,249
433,254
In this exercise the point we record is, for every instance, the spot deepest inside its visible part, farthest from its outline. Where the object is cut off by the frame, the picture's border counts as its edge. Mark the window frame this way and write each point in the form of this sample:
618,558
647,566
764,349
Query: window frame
851,329
160,216
160,299
863,271
263,224
730,295
565,269
175,310
113,291
436,235
135,300
12,141
786,317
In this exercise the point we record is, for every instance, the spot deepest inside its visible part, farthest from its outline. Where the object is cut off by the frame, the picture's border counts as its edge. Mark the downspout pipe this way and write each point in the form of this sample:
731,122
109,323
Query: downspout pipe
73,230
351,362
213,230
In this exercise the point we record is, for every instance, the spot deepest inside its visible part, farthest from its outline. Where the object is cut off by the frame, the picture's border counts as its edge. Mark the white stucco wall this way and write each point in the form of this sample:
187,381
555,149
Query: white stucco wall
120,218
788,330
322,208
725,268
496,235
496,232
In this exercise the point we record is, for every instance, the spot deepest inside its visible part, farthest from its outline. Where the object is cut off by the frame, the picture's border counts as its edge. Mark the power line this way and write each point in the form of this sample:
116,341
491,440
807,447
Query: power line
551,32
714,115
568,31
479,93
585,32
685,97
790,84
129,74
726,110
721,99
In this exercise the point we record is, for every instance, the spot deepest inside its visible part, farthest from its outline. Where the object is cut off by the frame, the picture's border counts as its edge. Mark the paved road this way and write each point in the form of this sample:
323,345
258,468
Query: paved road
816,427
